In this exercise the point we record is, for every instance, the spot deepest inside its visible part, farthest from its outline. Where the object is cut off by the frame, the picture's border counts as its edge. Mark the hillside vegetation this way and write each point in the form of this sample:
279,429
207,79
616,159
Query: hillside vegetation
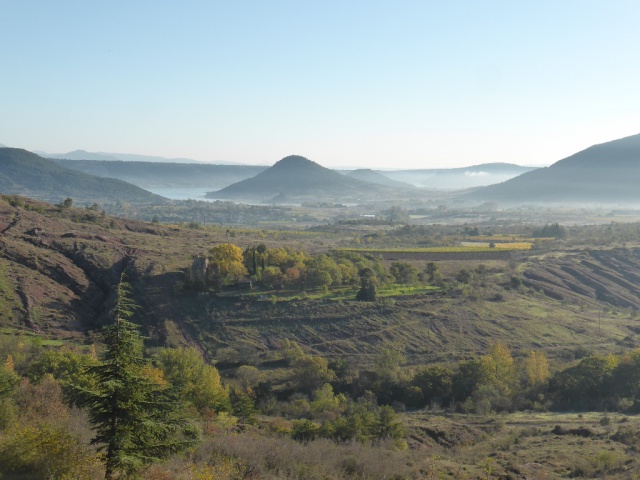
448,367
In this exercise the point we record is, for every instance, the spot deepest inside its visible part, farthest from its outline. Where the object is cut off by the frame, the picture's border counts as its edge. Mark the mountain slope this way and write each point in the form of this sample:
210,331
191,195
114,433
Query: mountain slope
371,176
607,173
459,178
296,177
25,173
158,175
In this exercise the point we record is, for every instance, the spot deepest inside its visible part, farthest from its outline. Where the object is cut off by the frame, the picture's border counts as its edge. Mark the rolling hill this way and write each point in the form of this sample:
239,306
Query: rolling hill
58,266
371,176
25,173
296,178
607,173
163,175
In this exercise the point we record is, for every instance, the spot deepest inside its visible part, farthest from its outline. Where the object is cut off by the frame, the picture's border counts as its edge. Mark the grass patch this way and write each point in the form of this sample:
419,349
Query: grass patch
339,293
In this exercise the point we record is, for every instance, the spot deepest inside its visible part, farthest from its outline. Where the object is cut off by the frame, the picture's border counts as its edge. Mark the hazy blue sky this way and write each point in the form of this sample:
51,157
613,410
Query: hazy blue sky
381,84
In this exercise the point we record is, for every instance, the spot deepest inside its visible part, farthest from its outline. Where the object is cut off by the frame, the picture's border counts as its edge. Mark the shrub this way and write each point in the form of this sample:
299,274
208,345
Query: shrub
47,451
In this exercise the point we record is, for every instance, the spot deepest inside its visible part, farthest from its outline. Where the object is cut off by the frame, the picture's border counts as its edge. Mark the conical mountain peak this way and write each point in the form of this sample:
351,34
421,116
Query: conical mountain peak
296,161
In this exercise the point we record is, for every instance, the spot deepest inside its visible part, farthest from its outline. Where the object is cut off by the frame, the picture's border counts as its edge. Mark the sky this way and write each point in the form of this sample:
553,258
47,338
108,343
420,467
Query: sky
371,84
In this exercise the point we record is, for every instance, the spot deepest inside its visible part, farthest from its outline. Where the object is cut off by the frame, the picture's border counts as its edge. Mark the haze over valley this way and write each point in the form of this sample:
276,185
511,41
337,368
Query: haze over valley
341,240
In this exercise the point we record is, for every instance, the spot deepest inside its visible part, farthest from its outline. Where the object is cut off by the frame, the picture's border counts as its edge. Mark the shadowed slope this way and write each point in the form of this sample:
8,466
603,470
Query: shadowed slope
606,173
25,173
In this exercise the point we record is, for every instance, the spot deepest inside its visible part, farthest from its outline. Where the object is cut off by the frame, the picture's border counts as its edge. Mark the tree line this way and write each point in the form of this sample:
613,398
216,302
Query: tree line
286,268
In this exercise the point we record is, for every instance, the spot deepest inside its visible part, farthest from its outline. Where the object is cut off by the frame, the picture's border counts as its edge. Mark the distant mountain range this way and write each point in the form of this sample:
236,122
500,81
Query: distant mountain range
126,157
296,178
25,173
458,178
608,173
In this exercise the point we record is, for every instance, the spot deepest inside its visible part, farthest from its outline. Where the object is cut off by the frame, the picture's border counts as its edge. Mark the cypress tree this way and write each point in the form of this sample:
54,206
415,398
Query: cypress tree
136,420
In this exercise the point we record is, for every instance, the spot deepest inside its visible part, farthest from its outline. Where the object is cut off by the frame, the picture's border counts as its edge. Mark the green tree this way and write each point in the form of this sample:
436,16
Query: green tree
463,276
404,273
368,282
198,382
433,272
436,384
309,372
137,420
588,385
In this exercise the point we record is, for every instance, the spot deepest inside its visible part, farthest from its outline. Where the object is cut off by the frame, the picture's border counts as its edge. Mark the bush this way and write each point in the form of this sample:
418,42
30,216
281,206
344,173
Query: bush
47,451
304,430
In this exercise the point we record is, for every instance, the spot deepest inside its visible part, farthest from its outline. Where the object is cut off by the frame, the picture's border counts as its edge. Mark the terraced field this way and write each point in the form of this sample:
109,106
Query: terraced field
609,276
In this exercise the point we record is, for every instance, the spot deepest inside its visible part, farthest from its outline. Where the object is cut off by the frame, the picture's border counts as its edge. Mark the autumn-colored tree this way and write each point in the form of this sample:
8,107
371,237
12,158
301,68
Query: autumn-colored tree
8,377
537,369
498,369
272,277
226,264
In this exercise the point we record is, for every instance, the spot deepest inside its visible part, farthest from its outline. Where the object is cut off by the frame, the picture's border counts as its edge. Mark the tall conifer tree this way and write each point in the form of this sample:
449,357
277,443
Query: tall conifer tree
137,421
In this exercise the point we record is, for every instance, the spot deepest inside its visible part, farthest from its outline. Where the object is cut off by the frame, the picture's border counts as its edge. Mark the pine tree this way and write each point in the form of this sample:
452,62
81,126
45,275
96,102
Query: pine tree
137,420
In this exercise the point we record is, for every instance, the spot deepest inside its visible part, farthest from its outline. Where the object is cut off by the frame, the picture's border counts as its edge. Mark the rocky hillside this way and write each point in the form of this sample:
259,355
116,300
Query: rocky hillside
58,267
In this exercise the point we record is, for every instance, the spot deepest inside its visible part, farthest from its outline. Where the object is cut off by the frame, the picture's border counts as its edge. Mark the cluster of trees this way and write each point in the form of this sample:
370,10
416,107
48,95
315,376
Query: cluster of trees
144,406
599,382
140,410
493,382
554,230
277,268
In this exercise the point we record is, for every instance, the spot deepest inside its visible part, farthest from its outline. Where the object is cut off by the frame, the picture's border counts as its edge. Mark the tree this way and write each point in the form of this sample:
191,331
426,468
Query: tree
226,264
436,384
588,385
137,420
198,382
248,376
404,273
309,372
498,369
432,271
463,276
8,378
368,282
323,271
537,368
